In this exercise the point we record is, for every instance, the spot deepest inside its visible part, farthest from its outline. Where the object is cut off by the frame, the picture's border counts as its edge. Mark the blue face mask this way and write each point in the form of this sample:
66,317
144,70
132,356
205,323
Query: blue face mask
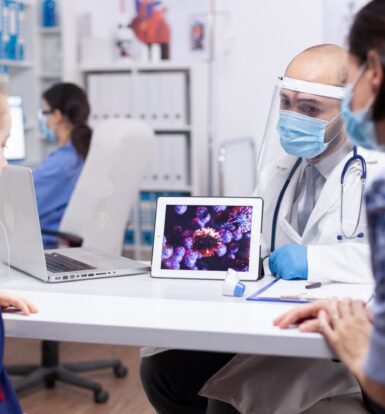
360,127
301,135
45,130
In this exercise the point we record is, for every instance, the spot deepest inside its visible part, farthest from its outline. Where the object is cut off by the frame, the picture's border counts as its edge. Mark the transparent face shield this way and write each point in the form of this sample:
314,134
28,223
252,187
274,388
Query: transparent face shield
304,122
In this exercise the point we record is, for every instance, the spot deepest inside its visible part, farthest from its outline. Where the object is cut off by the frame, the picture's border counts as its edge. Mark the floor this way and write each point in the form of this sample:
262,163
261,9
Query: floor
126,395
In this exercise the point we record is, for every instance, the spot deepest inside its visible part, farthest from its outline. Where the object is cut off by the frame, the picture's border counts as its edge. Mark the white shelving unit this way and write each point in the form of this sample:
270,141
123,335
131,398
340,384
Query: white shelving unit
29,78
50,63
16,64
22,81
189,126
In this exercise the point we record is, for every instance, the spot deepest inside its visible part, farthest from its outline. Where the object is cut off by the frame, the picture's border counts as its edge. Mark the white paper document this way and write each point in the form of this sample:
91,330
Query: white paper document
295,290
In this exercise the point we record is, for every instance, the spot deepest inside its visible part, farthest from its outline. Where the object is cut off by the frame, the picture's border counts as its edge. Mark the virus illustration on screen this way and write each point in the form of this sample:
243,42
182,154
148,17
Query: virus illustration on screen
207,237
241,218
206,241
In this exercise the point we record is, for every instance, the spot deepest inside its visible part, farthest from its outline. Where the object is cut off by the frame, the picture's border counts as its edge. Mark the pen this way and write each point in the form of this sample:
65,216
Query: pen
317,285
298,298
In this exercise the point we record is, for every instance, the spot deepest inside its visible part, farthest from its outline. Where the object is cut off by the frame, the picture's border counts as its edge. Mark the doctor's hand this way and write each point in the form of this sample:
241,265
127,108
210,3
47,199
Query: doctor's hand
289,262
12,301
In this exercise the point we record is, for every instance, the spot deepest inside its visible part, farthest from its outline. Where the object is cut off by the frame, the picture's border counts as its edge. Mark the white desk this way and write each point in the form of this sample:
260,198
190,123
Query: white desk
139,310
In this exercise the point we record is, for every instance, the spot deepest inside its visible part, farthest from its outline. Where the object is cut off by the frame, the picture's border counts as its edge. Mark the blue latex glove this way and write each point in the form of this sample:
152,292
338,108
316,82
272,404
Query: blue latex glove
289,262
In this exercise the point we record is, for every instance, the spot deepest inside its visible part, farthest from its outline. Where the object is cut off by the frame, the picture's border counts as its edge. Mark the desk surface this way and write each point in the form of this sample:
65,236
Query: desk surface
140,310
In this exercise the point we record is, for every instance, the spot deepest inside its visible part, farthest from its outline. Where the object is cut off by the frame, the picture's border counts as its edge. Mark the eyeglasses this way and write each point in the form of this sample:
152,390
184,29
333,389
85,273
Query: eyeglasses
48,112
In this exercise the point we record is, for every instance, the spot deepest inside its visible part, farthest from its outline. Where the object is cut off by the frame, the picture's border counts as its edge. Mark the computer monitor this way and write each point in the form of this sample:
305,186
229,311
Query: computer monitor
16,148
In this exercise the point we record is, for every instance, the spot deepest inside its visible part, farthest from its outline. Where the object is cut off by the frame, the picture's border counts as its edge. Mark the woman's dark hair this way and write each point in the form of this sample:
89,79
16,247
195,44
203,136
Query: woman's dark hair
368,33
73,103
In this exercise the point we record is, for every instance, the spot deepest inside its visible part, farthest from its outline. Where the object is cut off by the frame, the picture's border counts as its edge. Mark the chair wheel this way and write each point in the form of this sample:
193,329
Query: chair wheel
101,396
120,371
50,383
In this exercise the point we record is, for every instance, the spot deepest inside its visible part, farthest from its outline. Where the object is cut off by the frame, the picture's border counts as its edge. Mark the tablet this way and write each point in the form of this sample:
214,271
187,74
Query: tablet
203,237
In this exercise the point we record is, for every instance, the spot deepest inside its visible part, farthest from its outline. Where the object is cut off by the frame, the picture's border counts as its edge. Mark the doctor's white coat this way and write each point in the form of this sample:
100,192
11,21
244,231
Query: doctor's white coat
328,258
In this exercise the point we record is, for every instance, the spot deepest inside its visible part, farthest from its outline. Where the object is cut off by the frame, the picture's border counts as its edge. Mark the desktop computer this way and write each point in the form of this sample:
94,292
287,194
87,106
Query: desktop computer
16,147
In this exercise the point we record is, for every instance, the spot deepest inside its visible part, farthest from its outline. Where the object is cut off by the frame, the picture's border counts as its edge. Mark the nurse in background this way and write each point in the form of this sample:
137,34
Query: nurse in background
65,112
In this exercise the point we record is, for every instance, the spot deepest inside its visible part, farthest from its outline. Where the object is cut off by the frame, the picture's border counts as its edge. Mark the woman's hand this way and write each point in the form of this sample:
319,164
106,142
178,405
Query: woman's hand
23,305
347,326
303,316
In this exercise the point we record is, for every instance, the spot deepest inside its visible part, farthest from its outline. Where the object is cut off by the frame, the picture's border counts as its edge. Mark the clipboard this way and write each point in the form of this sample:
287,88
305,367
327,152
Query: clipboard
295,292
256,297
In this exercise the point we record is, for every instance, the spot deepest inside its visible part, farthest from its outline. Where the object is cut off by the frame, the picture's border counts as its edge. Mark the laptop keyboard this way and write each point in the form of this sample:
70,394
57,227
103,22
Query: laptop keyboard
57,263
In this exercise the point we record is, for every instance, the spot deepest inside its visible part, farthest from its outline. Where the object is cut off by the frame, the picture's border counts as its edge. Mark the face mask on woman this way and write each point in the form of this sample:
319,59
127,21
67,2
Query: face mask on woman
45,130
360,126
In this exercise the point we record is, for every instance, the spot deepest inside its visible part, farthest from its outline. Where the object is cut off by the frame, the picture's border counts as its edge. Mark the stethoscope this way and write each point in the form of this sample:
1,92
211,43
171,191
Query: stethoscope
343,235
353,159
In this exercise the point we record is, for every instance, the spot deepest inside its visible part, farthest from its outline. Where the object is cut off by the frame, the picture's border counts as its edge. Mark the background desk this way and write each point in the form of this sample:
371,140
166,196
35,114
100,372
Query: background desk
139,310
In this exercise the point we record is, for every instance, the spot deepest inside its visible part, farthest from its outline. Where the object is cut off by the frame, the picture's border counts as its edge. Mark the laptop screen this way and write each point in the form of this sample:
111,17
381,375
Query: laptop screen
207,237
16,149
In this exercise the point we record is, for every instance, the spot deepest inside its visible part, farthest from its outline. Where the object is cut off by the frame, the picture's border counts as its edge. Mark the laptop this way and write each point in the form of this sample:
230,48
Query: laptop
19,215
203,237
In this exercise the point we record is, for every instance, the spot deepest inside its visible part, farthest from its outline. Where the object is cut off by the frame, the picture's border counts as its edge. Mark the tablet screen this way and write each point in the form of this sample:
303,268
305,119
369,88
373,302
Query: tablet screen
202,237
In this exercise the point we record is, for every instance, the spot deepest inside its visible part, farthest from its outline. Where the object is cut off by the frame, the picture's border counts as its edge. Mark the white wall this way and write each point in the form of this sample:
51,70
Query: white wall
266,36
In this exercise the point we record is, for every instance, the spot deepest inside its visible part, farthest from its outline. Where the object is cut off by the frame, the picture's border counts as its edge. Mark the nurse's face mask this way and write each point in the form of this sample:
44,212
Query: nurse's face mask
304,120
46,132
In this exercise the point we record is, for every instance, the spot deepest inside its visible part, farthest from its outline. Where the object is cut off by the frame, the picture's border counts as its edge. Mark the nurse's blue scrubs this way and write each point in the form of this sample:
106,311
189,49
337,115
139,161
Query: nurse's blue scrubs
8,400
55,179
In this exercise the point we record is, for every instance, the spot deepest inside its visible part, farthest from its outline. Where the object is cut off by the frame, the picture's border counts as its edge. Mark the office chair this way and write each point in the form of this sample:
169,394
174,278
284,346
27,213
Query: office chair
236,178
96,217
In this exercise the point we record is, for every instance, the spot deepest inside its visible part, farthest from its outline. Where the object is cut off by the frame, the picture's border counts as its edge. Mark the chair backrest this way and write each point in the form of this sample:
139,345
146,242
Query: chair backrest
237,165
108,186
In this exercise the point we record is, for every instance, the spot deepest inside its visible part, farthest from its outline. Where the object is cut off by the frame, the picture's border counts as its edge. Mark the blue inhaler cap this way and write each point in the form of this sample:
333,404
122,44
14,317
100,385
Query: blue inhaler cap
239,289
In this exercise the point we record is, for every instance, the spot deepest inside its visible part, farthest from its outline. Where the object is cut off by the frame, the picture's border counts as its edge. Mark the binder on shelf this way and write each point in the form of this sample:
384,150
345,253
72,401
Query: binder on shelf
141,94
173,90
126,96
2,54
129,237
153,98
117,103
178,98
164,96
104,92
169,166
20,52
93,93
175,161
5,29
147,217
12,25
115,95
157,177
180,163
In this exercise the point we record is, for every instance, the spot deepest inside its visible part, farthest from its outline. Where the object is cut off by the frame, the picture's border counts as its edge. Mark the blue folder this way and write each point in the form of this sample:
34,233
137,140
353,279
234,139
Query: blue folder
256,297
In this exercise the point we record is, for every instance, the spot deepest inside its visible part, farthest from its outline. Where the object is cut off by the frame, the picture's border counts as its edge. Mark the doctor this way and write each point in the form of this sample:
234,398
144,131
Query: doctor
313,236
315,226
